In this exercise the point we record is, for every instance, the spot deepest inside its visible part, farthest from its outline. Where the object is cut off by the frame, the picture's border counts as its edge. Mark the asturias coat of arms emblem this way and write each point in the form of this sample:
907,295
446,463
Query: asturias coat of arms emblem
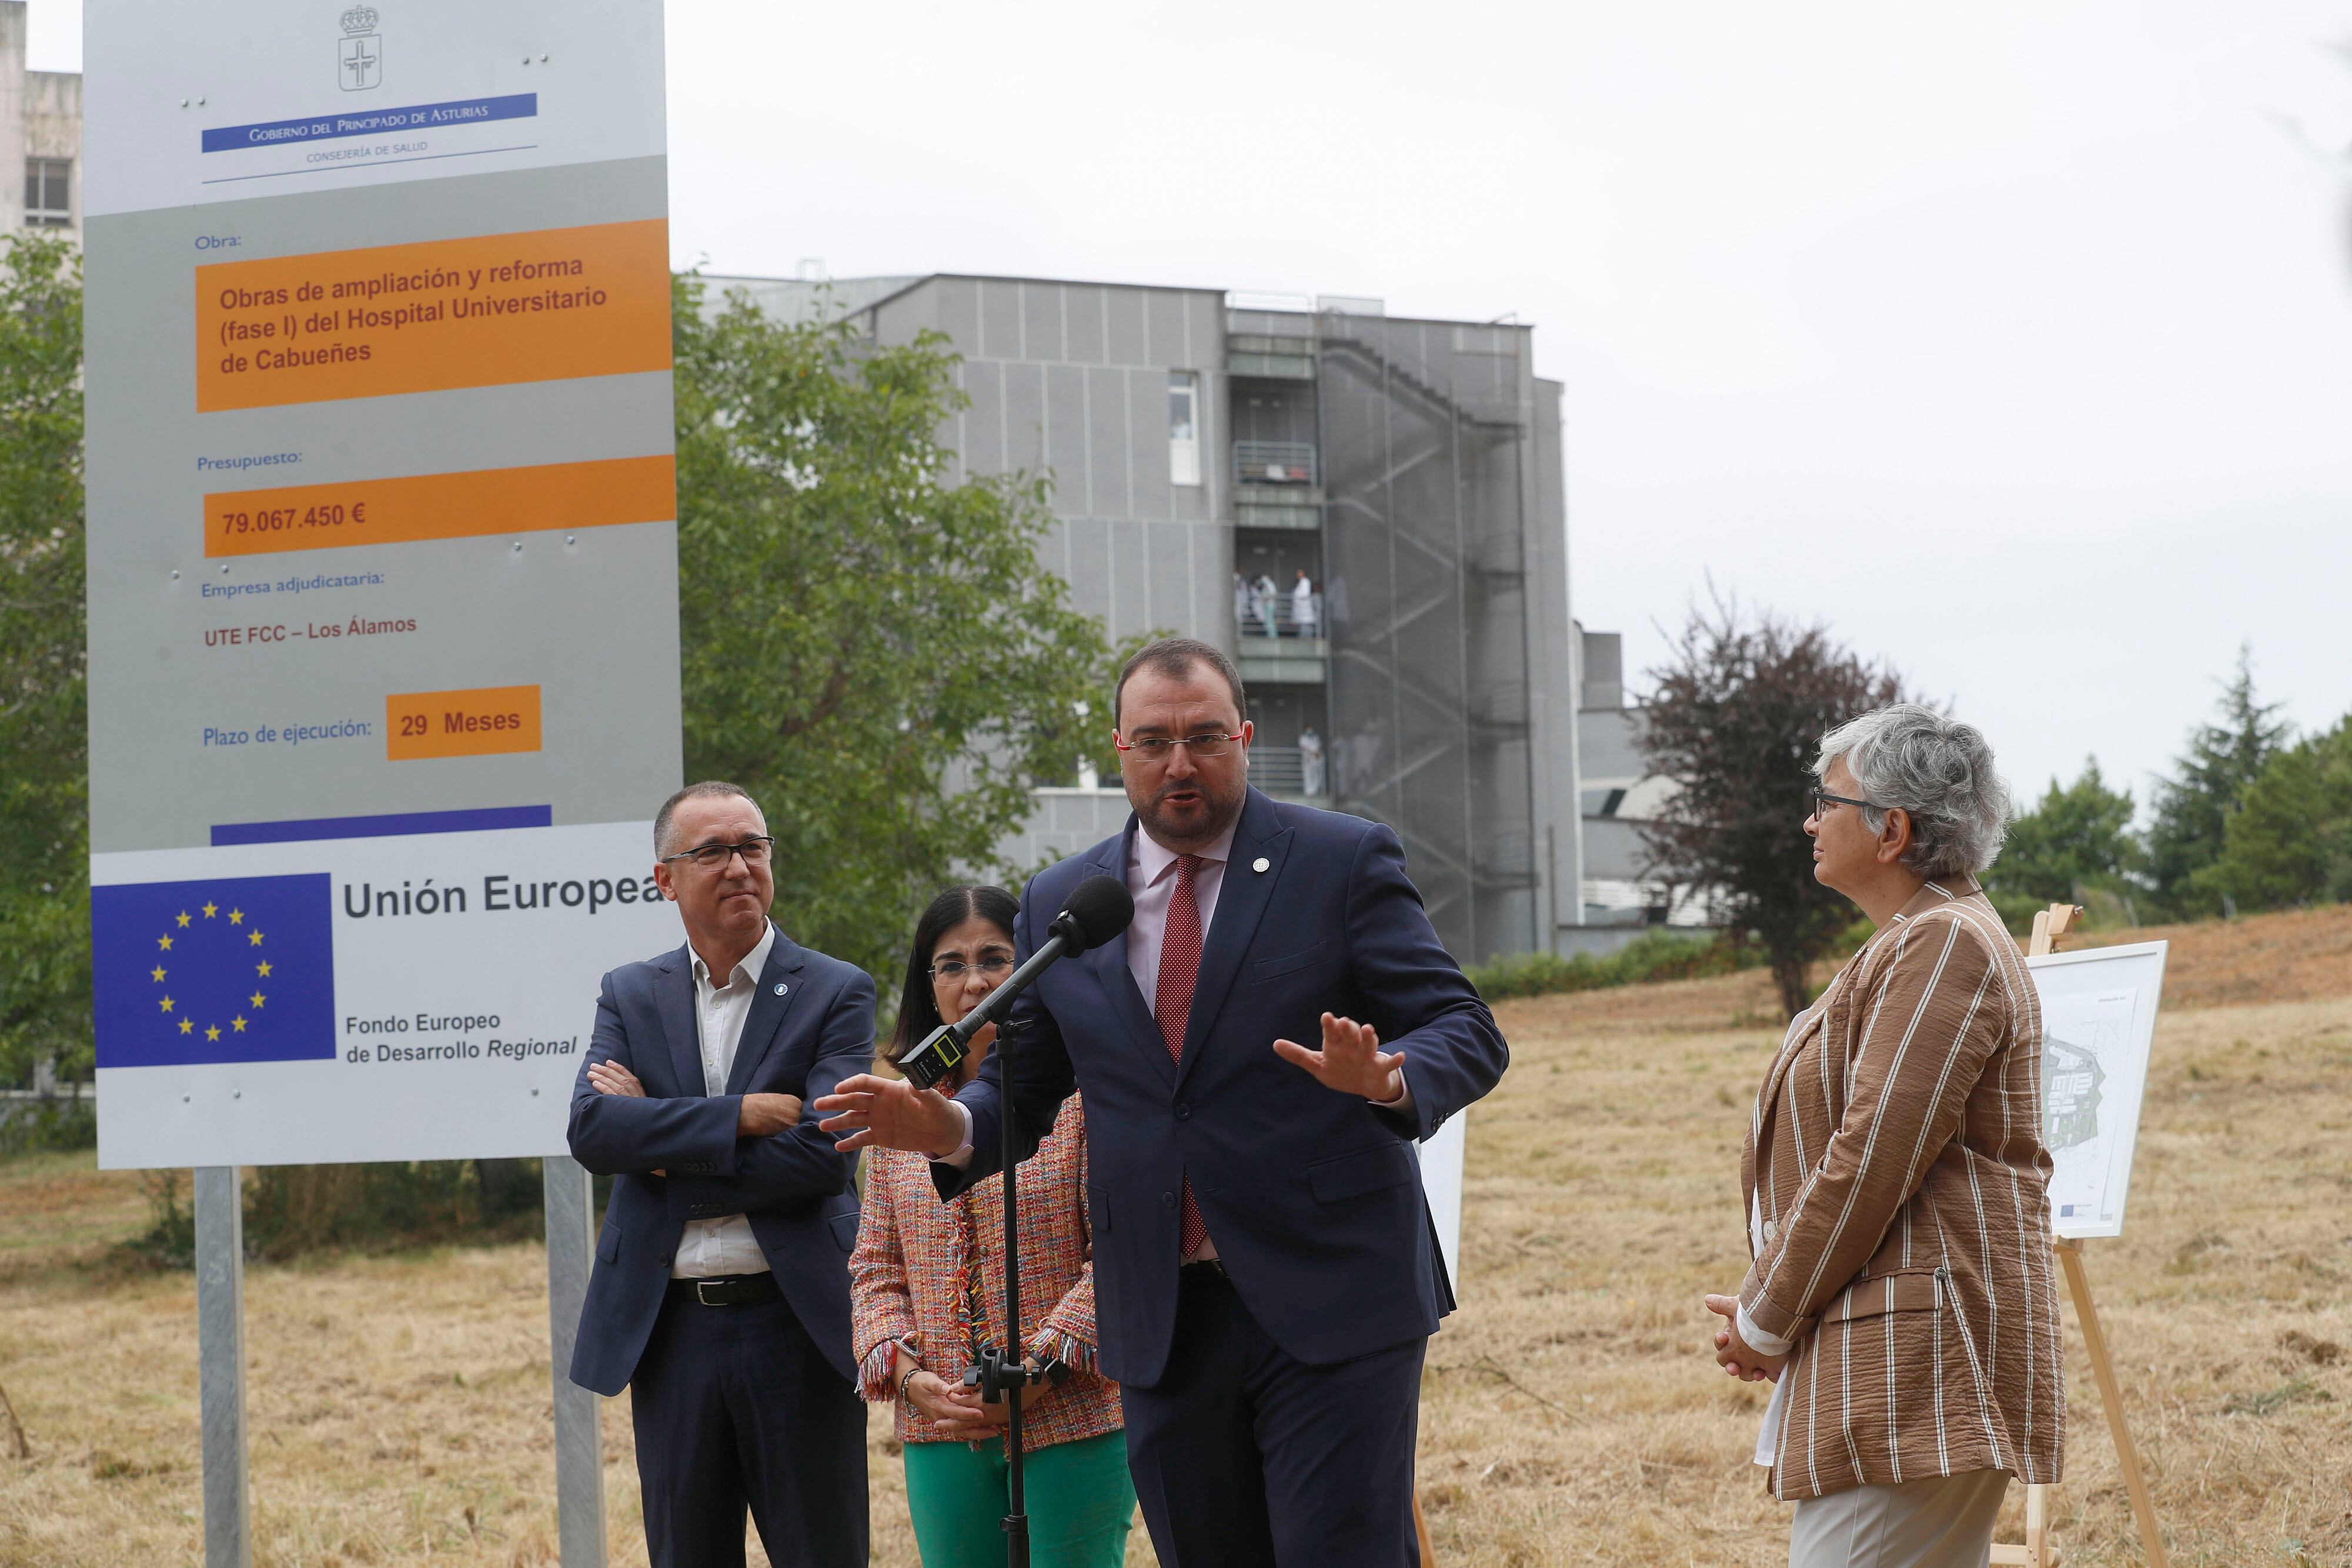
361,64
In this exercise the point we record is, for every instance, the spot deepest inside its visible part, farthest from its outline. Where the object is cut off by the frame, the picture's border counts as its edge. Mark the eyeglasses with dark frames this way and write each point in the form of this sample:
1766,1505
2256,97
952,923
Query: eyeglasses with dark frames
754,849
1823,800
1160,748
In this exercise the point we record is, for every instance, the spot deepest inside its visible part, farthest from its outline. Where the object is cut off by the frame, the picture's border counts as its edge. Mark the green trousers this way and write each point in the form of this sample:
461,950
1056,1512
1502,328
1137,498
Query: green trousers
1080,1502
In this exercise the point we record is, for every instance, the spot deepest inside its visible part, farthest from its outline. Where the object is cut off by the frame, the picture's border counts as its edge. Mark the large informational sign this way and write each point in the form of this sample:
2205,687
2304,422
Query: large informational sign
2098,1025
382,565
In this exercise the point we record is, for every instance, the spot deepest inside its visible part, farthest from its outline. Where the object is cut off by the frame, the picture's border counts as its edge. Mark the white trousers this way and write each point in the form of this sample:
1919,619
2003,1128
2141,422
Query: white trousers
1942,1521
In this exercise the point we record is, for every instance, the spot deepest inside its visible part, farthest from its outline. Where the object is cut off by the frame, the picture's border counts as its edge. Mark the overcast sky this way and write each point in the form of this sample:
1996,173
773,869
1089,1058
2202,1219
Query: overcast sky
2012,341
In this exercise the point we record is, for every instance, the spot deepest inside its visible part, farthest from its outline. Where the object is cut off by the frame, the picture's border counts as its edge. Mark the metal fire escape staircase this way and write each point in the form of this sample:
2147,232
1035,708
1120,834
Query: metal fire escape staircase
1426,579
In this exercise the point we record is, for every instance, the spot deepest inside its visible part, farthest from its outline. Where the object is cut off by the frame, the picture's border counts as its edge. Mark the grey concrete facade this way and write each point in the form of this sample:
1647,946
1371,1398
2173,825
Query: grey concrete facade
1614,860
1071,380
40,138
1202,452
1619,793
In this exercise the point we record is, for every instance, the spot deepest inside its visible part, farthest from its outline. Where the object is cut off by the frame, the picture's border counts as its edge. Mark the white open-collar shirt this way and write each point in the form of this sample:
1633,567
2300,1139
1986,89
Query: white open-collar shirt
712,1248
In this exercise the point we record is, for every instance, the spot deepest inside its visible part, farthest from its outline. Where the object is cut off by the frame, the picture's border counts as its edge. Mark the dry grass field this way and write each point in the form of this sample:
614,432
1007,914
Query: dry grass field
400,1406
1569,1417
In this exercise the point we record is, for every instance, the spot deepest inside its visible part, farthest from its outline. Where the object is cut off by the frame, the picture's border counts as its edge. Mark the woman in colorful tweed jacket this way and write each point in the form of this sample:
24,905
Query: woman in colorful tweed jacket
926,1291
1903,1295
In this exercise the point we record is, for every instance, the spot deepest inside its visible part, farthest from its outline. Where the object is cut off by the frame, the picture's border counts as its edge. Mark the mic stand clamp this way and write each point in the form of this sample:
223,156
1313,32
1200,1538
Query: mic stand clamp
995,1371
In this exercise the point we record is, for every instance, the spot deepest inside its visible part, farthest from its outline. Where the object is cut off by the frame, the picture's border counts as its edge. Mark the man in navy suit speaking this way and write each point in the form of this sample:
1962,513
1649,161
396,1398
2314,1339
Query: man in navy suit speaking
1266,1274
720,1294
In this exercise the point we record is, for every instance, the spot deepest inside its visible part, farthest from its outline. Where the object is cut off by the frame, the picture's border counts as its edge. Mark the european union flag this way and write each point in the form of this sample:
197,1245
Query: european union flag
225,970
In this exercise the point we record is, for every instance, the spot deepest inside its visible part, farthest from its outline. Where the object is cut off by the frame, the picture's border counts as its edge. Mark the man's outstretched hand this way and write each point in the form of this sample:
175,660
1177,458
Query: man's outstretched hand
869,1112
1350,1061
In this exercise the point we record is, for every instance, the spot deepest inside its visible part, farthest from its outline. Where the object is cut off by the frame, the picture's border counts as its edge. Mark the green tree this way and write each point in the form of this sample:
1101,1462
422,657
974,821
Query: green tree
1736,720
2079,836
2191,810
2289,843
873,652
43,796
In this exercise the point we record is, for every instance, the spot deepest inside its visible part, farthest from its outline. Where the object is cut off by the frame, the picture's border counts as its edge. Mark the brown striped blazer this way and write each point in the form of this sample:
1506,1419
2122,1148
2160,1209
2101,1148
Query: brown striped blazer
1896,1154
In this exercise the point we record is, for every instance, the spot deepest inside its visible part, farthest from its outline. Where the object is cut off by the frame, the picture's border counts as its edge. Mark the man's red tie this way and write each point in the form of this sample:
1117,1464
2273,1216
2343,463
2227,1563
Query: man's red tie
1180,967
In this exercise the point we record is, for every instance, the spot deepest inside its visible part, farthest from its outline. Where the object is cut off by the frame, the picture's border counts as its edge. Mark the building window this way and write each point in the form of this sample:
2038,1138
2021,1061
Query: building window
48,200
1183,428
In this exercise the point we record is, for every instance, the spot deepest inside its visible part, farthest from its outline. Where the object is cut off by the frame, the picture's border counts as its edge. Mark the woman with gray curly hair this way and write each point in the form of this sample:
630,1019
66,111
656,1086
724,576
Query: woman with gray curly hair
1902,1297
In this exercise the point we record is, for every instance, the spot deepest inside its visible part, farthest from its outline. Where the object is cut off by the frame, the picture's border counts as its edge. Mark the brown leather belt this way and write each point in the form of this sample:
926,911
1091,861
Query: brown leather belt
727,1290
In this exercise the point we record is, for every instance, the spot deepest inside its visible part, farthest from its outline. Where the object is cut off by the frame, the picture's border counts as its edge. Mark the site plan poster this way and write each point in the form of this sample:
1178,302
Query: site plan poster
2099,1024
382,565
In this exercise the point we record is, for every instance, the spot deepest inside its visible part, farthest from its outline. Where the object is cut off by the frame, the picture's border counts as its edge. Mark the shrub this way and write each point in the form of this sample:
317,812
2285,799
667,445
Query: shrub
60,1123
290,1210
1658,954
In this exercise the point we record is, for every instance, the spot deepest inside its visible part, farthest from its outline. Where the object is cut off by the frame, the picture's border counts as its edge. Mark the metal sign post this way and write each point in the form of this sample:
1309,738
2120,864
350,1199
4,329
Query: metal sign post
579,1433
220,1364
220,1350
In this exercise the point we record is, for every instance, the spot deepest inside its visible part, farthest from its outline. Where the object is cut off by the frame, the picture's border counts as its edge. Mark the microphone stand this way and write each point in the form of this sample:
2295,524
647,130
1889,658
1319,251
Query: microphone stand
1002,1373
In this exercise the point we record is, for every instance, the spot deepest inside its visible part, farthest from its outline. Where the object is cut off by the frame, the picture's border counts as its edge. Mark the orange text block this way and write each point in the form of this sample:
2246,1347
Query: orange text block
480,723
543,305
442,506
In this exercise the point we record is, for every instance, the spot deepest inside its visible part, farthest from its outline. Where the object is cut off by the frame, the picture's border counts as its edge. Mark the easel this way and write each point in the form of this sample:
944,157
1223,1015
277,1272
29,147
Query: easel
2038,1552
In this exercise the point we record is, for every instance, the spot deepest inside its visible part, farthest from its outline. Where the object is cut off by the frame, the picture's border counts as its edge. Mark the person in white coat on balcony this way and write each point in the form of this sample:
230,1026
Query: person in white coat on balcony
1303,618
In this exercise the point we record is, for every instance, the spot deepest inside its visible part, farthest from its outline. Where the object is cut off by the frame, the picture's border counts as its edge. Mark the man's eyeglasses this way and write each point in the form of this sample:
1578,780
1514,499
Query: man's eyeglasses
1823,800
1159,748
754,849
994,964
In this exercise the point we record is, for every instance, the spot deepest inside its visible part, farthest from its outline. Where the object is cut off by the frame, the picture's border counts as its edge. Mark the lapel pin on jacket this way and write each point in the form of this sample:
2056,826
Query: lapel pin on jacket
1260,864
781,987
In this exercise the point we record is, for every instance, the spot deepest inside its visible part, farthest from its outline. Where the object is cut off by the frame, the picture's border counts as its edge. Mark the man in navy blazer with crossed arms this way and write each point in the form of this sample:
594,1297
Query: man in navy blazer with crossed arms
1266,1274
720,1294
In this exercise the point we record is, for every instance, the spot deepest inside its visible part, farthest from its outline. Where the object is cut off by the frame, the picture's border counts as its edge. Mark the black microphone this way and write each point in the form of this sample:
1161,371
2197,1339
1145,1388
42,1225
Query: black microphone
1099,908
